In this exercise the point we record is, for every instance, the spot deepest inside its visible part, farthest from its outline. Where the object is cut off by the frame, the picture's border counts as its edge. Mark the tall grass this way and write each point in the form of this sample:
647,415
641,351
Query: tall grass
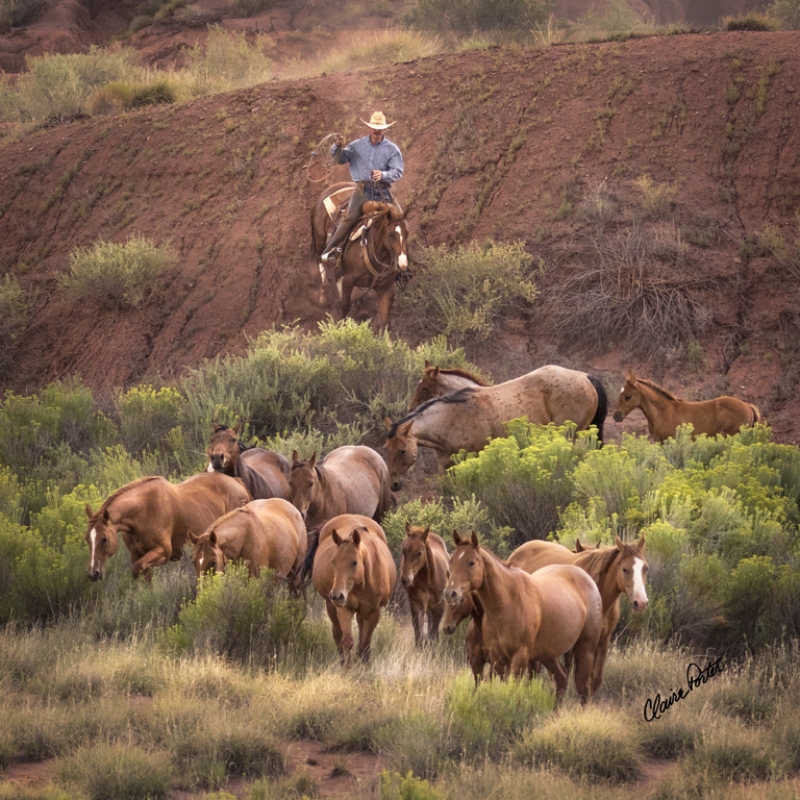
381,47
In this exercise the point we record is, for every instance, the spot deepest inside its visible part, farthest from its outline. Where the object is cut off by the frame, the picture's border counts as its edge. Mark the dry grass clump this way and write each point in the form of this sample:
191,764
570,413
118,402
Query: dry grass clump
394,46
635,286
752,21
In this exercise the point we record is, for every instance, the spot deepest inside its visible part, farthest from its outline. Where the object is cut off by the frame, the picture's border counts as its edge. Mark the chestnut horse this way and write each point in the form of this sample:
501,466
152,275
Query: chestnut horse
263,533
436,381
530,618
355,574
264,473
468,418
620,569
454,615
423,573
375,255
352,479
155,518
665,412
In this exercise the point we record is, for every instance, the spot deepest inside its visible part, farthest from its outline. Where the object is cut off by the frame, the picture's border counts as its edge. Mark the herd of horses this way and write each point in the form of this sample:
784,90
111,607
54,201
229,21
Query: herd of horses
319,521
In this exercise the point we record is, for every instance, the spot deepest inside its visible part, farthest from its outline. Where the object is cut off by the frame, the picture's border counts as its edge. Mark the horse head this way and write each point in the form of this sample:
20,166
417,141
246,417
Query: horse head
427,387
393,234
101,535
456,613
413,553
632,573
348,566
207,554
401,450
303,483
466,569
224,450
629,398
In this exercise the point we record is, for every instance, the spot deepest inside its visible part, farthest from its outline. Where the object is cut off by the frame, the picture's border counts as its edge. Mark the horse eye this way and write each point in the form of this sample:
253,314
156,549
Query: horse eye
628,397
626,570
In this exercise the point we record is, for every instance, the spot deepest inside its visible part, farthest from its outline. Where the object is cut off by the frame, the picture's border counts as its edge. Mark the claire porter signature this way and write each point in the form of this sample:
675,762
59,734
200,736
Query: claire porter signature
654,707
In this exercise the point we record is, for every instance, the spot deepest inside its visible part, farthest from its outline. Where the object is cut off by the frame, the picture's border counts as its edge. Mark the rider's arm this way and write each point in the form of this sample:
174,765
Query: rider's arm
394,168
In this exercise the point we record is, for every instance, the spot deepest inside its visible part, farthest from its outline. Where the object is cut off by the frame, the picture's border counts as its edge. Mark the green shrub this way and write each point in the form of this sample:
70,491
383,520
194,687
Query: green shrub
394,786
16,13
140,22
13,322
486,720
248,8
118,772
147,415
380,47
467,294
251,620
786,13
481,15
117,276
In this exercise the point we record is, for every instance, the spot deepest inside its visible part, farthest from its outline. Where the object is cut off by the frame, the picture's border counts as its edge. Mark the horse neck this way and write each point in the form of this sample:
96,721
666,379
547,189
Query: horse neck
495,591
430,426
603,572
452,382
653,401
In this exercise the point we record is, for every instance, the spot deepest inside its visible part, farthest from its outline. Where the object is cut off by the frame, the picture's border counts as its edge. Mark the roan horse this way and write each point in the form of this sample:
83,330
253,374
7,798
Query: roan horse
155,517
355,574
423,574
468,418
264,473
263,533
665,412
352,479
619,569
374,257
530,618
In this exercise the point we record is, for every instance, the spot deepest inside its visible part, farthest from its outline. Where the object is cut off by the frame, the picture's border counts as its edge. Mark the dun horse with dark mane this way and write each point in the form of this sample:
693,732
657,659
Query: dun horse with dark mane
375,256
264,473
665,412
154,518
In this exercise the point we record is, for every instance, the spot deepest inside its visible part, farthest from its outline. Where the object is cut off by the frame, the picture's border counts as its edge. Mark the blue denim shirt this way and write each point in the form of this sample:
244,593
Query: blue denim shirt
363,157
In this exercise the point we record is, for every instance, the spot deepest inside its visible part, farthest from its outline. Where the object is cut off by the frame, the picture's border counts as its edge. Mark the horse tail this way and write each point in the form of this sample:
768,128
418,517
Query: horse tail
756,414
303,574
602,406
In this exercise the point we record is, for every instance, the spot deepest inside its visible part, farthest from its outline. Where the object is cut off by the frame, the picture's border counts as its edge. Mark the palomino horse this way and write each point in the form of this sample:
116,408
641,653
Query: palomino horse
352,479
263,533
423,573
530,618
468,418
355,574
436,381
620,569
375,255
155,517
264,473
665,412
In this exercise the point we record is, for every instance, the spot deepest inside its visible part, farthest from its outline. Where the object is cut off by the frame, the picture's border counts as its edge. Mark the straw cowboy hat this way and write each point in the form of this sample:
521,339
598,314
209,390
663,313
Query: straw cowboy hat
377,121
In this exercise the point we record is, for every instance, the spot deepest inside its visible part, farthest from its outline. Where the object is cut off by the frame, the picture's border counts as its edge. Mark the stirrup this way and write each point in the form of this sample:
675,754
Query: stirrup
332,257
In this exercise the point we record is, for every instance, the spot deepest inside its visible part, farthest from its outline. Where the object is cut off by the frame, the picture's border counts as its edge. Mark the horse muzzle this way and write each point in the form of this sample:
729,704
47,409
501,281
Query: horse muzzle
618,416
451,596
407,580
396,485
338,598
216,463
95,575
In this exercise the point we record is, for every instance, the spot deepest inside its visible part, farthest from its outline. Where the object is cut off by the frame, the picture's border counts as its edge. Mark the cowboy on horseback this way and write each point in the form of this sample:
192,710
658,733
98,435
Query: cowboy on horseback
375,164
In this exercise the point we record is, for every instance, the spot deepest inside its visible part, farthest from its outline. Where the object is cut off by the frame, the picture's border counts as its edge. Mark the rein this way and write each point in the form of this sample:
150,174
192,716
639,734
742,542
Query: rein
370,258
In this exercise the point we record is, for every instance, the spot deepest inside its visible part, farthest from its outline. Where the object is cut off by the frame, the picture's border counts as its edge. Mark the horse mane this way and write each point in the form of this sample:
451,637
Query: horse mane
658,389
461,396
597,562
132,485
462,373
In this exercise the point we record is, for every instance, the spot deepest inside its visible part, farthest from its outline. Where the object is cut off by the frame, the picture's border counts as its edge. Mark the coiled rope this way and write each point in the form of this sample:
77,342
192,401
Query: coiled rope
321,158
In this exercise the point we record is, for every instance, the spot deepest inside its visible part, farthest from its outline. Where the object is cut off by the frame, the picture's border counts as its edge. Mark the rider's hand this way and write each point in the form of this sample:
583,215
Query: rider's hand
339,140
376,175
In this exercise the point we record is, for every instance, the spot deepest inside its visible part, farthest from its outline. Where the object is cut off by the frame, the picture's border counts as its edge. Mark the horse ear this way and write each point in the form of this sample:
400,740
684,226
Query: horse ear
313,459
337,540
191,537
630,377
106,515
425,533
620,543
579,548
457,539
640,543
215,426
356,537
212,537
405,428
295,459
435,372
236,428
428,364
89,512
475,542
408,528
388,423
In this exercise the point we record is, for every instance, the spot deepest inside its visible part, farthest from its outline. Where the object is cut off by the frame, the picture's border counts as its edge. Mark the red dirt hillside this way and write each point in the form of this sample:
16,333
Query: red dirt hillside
494,143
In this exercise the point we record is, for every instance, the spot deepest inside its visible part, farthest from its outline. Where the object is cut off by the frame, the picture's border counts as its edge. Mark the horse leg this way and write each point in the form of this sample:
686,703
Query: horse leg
584,666
416,620
366,627
153,558
554,667
385,303
599,661
435,614
345,286
342,633
520,663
